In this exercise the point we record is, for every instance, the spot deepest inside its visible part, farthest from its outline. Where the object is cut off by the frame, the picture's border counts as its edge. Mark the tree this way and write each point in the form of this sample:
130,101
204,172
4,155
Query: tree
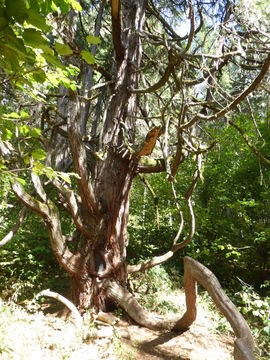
168,69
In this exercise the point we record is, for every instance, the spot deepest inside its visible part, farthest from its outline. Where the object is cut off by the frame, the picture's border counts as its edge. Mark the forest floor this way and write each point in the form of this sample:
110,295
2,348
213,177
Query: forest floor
51,334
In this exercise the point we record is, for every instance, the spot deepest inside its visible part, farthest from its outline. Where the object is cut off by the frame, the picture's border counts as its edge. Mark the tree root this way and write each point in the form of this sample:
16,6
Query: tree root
194,272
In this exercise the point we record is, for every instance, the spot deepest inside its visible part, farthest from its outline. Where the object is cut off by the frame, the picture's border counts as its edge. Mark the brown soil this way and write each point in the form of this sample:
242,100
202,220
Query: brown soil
54,337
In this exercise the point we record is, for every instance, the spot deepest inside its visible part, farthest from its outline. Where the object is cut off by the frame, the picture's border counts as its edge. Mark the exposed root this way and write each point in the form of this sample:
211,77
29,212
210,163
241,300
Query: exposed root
65,301
194,272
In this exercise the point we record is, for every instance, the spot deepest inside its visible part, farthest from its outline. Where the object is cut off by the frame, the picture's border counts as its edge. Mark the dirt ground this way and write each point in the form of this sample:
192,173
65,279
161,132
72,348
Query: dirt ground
51,336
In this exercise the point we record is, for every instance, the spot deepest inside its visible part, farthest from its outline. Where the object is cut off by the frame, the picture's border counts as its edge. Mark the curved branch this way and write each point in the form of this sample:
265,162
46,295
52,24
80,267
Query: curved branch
73,207
194,272
15,228
72,263
162,81
157,260
192,28
37,206
236,101
65,301
38,186
244,344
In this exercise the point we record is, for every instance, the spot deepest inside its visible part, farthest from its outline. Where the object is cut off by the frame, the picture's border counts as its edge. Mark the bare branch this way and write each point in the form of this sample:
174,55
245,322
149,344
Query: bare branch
154,196
15,228
192,28
162,81
254,121
73,207
194,272
157,260
38,186
65,301
148,165
38,207
50,214
234,103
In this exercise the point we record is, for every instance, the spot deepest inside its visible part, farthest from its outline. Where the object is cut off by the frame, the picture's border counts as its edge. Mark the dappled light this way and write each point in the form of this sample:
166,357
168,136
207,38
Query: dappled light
134,164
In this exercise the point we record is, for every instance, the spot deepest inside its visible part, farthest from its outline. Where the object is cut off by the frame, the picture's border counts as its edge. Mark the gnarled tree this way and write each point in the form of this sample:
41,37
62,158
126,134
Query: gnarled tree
168,69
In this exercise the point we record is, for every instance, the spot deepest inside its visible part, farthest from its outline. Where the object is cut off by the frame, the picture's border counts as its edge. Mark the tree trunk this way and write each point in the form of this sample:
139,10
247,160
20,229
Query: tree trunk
104,254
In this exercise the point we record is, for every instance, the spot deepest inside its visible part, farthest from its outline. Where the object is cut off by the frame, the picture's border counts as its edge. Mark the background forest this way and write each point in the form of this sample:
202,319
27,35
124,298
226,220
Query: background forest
231,202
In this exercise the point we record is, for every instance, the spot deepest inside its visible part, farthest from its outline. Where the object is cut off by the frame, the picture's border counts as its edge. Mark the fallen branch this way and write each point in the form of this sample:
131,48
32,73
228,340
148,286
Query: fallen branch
65,301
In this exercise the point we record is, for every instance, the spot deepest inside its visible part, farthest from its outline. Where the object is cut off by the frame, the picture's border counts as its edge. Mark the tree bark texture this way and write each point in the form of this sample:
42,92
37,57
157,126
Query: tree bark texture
105,184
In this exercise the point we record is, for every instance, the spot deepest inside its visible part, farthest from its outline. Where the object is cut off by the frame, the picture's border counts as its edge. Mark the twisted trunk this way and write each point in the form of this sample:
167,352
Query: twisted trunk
105,203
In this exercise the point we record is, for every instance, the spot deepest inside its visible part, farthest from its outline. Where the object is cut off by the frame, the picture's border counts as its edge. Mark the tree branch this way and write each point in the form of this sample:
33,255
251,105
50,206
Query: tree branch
157,260
116,29
148,165
15,228
73,207
234,103
162,81
154,196
68,303
80,162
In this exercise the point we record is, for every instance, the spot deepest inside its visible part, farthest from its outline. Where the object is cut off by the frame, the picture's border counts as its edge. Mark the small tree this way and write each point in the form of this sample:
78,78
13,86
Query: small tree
164,72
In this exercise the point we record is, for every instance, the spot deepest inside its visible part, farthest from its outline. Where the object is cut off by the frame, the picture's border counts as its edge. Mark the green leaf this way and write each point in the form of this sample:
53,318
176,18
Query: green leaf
39,76
18,10
95,40
73,70
20,180
47,50
24,114
26,159
39,154
51,59
11,60
24,129
63,49
34,38
54,7
88,57
64,176
7,134
12,115
35,132
37,20
76,6
3,21
13,43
